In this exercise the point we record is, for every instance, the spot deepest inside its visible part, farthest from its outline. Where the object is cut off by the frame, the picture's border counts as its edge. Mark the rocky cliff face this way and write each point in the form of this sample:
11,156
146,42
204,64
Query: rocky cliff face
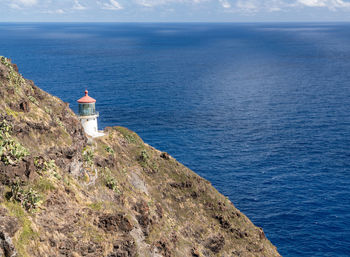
62,194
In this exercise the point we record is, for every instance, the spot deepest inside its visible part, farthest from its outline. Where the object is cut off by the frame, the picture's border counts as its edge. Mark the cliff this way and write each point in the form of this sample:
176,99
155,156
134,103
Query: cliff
62,194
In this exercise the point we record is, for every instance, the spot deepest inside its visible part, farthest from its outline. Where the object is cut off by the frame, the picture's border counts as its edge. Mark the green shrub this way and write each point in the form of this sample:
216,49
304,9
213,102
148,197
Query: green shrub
59,122
15,79
29,198
48,110
48,168
144,157
10,150
88,156
33,100
110,181
109,150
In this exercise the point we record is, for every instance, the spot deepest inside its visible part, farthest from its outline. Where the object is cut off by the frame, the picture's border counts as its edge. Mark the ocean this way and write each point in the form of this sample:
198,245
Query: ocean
259,110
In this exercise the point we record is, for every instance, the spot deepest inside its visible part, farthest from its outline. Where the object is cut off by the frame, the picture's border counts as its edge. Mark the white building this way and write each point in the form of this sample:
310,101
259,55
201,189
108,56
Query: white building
88,115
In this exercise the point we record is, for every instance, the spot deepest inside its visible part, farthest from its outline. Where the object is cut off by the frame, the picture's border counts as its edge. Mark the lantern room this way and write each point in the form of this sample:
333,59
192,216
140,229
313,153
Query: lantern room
86,105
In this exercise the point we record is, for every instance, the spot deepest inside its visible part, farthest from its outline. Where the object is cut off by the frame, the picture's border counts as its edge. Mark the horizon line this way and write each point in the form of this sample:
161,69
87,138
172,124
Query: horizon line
169,22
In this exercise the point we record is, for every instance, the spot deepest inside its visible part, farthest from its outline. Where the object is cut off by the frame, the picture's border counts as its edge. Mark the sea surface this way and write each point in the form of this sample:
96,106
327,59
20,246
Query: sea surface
260,110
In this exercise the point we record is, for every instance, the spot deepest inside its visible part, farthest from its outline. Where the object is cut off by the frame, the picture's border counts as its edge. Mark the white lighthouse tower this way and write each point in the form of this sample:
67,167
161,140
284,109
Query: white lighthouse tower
88,115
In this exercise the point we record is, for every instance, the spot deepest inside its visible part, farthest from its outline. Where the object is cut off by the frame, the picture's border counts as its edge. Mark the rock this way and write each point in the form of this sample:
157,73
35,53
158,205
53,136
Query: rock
6,245
75,167
163,247
24,106
143,217
137,182
115,222
8,223
165,156
215,243
195,253
126,248
181,185
223,222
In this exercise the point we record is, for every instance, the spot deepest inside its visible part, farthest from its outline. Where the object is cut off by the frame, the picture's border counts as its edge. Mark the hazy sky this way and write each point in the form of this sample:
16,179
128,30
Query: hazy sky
174,10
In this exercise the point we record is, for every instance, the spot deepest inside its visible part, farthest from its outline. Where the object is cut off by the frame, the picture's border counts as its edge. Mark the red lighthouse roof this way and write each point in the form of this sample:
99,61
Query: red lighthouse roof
86,99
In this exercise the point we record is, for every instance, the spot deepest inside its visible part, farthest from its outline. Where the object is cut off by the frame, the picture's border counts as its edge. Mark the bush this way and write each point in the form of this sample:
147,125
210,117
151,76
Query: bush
46,167
33,100
88,156
144,157
109,150
10,150
15,79
110,181
28,198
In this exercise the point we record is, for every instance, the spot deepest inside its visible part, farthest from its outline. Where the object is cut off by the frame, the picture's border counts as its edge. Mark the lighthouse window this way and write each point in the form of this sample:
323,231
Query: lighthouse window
87,109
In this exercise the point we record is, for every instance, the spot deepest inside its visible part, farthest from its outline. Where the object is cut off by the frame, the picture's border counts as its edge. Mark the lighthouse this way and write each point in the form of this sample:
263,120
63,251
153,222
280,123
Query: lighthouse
88,115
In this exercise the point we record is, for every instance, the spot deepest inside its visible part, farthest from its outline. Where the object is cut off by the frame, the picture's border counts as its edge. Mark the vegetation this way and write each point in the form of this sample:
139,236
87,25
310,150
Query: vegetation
110,181
11,151
144,157
96,206
33,100
109,150
15,79
47,168
27,197
27,234
130,136
88,156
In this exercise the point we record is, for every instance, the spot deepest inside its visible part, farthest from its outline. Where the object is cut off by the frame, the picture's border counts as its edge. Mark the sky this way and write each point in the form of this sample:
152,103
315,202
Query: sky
174,10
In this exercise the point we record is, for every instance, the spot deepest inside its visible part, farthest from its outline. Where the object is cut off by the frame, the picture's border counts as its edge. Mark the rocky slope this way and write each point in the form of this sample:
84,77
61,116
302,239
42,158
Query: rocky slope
62,194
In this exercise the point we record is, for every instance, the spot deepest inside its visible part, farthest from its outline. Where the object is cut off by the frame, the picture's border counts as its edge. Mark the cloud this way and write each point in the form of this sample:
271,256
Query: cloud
225,4
17,4
78,6
57,11
255,6
152,3
27,2
312,3
247,6
112,5
60,11
14,6
330,4
161,7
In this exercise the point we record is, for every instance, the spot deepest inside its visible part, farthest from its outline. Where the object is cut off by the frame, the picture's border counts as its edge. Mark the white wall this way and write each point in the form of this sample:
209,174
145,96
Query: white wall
90,126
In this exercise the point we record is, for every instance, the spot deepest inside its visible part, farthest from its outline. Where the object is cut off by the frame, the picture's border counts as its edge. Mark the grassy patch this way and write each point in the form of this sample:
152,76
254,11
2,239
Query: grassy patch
11,112
96,206
27,234
43,185
130,136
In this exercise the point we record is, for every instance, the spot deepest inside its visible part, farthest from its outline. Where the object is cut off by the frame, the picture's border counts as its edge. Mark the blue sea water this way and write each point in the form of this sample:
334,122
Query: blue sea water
260,110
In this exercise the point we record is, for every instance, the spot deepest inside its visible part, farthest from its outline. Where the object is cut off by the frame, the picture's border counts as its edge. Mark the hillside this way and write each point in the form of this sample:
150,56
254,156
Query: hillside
62,194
